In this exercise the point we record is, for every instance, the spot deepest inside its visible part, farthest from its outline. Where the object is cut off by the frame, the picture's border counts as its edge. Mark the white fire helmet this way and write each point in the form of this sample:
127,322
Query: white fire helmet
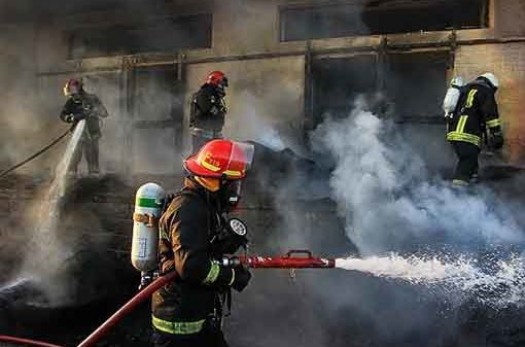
492,79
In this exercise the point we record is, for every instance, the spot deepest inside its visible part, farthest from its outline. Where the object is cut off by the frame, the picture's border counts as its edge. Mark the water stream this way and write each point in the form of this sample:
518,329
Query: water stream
498,284
47,252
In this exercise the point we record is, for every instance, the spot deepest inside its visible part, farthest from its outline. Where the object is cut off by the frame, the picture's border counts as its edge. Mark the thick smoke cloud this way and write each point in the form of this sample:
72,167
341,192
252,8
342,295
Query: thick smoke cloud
251,125
391,202
19,123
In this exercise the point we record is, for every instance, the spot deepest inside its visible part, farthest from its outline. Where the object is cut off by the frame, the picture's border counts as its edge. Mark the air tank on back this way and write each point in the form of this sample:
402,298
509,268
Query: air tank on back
149,202
452,96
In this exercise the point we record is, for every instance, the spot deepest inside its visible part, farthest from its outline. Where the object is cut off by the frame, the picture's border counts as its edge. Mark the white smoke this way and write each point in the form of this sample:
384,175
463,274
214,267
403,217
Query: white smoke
390,202
254,126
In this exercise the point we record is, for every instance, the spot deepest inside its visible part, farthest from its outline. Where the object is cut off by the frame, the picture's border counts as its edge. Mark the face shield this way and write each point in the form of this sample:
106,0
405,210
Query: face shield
242,152
231,188
224,82
221,86
233,192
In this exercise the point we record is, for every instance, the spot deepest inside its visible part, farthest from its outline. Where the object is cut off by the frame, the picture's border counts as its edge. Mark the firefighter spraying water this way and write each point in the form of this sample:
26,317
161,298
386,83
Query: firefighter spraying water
81,105
195,240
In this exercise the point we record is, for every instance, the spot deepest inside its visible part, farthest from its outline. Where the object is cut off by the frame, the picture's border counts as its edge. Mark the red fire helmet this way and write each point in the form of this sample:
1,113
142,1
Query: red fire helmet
72,86
216,78
221,158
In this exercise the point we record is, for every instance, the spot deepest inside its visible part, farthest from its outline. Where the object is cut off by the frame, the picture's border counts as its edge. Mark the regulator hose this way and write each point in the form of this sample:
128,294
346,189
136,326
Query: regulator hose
54,142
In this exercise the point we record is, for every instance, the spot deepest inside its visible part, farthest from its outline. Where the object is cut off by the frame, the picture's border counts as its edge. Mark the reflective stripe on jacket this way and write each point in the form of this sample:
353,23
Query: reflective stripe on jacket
477,110
177,328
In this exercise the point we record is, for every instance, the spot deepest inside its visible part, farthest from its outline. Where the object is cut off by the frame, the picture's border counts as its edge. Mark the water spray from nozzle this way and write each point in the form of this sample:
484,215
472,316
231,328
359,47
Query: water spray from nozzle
497,285
412,269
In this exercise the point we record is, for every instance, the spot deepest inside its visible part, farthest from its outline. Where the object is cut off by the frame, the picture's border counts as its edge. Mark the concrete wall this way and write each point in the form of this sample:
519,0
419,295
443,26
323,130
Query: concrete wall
240,26
264,94
509,17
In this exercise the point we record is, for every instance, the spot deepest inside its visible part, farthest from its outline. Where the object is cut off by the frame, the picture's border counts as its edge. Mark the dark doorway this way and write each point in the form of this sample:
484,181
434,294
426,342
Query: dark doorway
415,85
336,82
157,109
412,85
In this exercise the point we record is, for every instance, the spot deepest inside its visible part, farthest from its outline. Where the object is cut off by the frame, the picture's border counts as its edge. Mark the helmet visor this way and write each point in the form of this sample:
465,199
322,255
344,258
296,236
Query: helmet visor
241,156
248,150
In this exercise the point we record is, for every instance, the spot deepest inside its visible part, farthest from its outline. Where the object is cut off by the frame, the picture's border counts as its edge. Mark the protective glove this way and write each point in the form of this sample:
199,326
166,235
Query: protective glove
496,141
241,278
70,118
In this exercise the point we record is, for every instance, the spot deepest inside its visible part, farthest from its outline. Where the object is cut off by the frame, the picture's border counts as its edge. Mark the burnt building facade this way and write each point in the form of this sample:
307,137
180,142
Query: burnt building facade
290,64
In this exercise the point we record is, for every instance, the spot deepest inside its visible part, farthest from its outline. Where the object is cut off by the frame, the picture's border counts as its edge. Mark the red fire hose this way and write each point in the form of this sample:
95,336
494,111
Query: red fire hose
25,342
288,261
127,308
102,330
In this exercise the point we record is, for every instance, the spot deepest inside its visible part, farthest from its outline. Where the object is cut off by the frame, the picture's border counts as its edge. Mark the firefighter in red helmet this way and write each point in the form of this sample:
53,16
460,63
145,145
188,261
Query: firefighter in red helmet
188,312
208,110
82,105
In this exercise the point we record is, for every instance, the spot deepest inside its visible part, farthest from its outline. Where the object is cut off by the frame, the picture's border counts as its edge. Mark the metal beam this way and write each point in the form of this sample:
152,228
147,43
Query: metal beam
388,46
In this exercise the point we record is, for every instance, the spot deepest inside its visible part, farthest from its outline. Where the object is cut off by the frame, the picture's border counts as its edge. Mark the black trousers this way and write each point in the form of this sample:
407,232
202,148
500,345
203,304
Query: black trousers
206,338
467,165
89,148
